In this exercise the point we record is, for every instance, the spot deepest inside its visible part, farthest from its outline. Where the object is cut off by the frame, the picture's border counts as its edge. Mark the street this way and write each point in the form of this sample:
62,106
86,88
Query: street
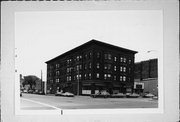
43,102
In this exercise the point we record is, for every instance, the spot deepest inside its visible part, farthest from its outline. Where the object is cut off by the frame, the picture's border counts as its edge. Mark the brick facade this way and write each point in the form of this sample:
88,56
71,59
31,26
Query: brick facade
92,67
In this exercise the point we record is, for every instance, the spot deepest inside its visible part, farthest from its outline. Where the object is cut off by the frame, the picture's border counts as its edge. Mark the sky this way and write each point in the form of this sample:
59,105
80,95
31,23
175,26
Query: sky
41,36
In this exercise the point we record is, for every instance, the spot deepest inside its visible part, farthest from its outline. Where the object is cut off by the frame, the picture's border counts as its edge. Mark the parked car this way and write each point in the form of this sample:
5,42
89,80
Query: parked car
133,95
41,93
149,95
118,95
36,92
25,91
68,94
30,91
58,94
102,94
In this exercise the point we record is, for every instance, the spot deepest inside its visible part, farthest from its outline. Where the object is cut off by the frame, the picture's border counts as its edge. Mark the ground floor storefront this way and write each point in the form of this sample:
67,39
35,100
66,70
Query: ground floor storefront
91,87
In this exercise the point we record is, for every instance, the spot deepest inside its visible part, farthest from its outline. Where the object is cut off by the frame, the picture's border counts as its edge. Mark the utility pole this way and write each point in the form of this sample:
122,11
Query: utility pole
41,83
78,81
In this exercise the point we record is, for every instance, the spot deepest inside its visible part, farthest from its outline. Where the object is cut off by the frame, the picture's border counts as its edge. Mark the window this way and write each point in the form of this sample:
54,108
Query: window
97,66
78,77
105,76
57,65
121,78
107,66
107,56
115,68
85,66
68,78
77,58
90,65
129,70
80,57
57,80
124,78
67,61
86,56
57,73
90,54
121,68
114,77
97,75
121,59
124,60
98,55
85,76
70,69
115,58
89,75
129,61
67,70
124,69
80,66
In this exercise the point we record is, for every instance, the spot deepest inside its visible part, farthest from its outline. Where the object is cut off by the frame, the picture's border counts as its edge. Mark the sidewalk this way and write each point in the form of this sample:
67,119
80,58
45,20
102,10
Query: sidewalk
27,104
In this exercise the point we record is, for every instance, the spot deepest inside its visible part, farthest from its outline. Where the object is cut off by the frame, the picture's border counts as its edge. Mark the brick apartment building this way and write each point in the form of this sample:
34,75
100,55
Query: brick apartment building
146,76
92,67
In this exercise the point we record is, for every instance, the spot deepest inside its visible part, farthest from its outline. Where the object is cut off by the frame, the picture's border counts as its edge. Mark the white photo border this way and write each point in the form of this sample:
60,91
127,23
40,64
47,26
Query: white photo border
8,62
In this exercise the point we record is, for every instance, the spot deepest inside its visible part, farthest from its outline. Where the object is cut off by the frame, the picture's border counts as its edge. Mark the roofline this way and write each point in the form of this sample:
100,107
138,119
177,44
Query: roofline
146,60
88,43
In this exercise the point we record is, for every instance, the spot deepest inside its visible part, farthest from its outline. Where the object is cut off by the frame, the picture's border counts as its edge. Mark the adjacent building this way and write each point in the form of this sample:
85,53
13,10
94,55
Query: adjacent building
146,76
90,68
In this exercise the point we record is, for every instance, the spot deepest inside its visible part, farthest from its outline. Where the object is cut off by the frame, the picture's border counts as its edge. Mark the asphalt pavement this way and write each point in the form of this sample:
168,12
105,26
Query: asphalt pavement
48,102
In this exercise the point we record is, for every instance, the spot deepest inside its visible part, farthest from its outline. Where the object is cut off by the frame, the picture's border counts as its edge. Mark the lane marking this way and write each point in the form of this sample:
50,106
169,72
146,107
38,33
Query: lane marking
41,103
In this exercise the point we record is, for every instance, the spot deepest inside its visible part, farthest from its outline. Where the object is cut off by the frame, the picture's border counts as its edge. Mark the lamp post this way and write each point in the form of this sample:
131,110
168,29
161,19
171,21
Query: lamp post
42,86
